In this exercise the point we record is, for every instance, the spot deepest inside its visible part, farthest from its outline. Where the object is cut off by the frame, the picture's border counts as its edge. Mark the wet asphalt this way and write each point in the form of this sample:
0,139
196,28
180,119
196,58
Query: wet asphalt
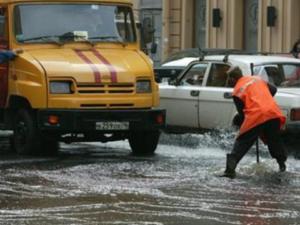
94,183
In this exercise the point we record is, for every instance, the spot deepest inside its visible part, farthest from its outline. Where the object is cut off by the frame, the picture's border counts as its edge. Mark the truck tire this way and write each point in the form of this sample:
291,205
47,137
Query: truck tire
26,138
144,143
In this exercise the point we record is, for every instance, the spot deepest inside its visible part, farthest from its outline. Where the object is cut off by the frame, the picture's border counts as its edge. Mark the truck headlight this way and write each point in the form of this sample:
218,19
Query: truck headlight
143,86
61,87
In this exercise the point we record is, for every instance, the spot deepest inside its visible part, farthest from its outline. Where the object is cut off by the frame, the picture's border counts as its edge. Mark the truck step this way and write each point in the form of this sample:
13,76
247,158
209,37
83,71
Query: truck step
3,132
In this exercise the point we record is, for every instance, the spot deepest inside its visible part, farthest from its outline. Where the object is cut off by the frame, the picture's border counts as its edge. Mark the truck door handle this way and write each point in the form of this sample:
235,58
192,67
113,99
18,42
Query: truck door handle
195,93
227,95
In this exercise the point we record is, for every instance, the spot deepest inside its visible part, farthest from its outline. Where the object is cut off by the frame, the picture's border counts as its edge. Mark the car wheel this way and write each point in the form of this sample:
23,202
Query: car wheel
144,143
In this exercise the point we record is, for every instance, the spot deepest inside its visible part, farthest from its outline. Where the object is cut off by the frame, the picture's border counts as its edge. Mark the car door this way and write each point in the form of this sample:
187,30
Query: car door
216,107
181,100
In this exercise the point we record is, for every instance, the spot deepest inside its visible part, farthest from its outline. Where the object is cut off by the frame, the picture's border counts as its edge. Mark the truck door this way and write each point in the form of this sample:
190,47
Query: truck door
3,66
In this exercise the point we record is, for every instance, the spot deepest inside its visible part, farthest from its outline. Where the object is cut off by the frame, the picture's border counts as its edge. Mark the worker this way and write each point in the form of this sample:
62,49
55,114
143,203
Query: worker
295,51
6,55
258,115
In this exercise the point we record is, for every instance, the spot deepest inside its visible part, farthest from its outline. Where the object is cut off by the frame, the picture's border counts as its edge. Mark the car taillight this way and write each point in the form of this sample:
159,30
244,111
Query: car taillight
295,114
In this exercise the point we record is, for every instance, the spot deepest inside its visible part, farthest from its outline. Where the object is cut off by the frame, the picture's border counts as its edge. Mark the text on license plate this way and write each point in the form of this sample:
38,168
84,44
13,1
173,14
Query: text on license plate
112,125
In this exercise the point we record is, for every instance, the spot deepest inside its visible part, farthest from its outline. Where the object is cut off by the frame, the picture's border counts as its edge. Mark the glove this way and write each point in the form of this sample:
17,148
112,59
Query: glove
263,138
9,54
5,56
238,120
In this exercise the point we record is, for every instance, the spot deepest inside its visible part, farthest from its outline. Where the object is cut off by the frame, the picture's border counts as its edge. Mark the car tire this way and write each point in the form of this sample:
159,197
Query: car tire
144,143
26,139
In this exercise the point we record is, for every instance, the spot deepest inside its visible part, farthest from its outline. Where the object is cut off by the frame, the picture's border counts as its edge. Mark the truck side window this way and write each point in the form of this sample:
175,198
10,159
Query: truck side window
217,76
195,75
2,26
3,29
124,24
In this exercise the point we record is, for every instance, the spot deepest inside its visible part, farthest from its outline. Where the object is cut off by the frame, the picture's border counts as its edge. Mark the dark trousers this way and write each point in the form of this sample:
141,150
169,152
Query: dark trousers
271,132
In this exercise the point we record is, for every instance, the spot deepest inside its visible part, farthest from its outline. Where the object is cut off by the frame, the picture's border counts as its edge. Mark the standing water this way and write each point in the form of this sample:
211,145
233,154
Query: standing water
104,184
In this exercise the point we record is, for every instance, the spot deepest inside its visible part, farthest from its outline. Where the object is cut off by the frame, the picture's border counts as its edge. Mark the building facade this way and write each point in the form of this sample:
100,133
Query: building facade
253,25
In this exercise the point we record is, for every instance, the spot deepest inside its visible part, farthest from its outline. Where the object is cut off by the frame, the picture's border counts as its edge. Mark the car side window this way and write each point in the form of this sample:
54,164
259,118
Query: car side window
195,75
274,75
271,73
257,70
292,75
217,75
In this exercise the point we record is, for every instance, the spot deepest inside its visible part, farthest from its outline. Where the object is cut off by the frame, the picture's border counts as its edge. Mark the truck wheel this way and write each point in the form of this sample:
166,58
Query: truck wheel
26,138
144,142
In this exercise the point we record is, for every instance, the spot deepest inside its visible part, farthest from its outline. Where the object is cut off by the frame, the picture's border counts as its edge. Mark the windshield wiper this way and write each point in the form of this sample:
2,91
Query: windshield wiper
69,36
112,38
47,38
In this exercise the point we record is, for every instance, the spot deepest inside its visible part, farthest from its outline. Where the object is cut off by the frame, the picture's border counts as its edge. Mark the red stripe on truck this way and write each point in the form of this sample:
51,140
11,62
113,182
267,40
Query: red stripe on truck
94,68
112,70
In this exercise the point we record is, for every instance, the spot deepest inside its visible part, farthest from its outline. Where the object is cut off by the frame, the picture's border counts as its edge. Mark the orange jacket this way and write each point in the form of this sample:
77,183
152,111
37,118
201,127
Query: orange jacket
259,105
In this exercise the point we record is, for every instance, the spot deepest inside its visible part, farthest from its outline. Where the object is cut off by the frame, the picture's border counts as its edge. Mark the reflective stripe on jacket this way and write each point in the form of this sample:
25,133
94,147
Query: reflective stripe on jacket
259,105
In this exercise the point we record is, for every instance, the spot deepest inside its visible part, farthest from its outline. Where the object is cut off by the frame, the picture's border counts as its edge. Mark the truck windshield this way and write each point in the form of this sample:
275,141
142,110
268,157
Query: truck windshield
60,23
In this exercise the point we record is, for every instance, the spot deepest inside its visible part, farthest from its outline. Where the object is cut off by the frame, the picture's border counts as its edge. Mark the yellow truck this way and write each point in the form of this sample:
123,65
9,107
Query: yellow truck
79,76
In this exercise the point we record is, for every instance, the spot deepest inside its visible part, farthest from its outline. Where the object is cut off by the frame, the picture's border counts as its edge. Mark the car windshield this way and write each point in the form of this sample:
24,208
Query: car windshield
280,75
70,22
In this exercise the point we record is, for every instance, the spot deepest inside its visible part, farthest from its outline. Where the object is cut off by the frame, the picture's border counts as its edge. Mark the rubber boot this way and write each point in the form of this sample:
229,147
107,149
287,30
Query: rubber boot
282,166
231,164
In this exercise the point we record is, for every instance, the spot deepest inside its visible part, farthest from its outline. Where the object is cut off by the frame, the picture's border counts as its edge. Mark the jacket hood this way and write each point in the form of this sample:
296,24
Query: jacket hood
92,65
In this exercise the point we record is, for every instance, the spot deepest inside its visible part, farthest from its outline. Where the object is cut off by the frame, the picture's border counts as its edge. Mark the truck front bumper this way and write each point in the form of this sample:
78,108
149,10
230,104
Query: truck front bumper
81,121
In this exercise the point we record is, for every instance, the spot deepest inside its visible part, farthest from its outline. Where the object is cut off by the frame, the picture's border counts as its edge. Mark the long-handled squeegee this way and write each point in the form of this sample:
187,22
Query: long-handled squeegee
257,147
257,151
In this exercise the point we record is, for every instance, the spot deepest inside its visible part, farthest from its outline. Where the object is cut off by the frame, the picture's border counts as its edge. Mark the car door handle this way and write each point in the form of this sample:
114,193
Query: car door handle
195,93
227,95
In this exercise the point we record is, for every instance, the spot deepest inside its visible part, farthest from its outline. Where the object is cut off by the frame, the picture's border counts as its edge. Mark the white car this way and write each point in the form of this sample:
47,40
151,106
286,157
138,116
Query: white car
199,99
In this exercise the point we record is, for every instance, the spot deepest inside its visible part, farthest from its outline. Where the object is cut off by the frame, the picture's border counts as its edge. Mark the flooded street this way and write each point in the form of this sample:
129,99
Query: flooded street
104,184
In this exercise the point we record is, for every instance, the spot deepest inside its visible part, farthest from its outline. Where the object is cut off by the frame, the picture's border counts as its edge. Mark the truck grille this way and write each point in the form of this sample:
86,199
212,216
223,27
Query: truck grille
125,88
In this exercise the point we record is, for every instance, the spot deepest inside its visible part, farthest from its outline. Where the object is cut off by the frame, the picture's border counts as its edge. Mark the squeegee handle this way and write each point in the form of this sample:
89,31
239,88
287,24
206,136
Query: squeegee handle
257,151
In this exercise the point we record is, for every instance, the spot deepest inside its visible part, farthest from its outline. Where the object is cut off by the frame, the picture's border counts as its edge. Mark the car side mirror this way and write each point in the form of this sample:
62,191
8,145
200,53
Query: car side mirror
173,82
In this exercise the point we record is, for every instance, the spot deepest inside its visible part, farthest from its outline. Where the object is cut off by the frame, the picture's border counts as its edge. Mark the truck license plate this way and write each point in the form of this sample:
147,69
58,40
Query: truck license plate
112,125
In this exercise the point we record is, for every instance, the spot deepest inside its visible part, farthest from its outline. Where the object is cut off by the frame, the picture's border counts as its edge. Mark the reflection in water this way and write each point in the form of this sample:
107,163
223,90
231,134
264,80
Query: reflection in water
105,184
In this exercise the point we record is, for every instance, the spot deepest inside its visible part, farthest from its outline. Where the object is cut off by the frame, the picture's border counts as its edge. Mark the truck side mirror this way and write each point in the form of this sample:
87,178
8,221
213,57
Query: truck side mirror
153,48
148,30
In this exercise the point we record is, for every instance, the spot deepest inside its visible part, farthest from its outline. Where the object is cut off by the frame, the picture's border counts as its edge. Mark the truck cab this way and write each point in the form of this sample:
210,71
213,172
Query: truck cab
79,75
